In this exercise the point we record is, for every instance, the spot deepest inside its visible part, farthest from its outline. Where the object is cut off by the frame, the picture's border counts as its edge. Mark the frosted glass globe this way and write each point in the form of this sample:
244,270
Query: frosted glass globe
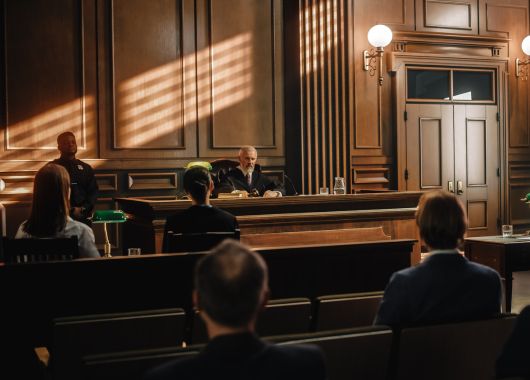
379,35
526,45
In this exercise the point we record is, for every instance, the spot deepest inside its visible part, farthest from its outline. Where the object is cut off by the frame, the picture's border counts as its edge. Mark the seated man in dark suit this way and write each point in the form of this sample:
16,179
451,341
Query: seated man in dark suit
231,286
248,176
446,286
201,216
514,360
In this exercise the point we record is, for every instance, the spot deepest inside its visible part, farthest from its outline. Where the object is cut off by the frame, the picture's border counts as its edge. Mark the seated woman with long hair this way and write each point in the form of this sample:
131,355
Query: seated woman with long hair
49,216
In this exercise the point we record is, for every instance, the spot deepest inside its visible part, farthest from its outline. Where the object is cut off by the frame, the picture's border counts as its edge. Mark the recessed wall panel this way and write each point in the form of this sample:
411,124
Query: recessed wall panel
476,152
243,75
477,214
431,153
148,94
446,14
45,84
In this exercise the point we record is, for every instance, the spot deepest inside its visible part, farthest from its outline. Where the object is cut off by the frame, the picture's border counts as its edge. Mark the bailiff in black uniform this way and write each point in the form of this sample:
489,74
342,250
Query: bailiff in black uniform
84,188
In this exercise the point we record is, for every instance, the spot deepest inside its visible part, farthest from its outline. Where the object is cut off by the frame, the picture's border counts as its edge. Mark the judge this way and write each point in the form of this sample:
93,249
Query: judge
247,176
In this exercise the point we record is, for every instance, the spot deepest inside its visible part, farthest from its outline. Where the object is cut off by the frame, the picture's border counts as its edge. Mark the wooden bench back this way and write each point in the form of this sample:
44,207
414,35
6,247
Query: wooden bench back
74,337
282,239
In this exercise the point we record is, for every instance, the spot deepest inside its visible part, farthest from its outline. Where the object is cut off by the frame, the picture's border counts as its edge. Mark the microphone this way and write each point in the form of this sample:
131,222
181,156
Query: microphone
291,183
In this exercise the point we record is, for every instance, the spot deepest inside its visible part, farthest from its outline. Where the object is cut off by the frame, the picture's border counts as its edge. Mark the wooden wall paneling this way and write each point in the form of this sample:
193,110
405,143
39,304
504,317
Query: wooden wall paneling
324,87
509,19
49,85
240,77
447,16
149,79
519,186
107,182
373,104
152,181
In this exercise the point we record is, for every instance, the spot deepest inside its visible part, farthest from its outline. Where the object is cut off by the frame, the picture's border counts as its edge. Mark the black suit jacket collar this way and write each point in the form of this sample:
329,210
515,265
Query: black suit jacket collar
242,344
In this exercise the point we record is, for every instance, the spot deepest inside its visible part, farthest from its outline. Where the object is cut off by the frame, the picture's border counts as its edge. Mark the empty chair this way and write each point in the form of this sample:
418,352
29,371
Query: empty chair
361,353
130,365
347,310
75,337
29,250
465,350
282,316
201,241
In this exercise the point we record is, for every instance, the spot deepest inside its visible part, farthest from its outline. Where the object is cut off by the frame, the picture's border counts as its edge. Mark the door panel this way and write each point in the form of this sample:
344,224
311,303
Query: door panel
456,144
476,163
429,146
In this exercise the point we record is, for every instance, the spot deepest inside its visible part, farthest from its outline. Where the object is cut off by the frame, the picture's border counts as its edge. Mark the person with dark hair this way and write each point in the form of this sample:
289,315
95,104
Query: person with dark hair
248,177
445,286
49,212
201,216
84,188
231,287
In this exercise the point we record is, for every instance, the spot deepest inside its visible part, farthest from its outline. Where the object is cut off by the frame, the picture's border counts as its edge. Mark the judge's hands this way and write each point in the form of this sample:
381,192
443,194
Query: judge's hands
272,194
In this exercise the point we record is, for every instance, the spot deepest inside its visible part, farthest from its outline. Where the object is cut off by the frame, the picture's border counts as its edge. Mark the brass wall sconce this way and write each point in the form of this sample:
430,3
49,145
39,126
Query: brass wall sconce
379,36
521,66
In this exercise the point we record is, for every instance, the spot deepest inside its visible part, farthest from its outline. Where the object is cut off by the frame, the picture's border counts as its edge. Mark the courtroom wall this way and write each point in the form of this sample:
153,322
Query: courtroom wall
148,85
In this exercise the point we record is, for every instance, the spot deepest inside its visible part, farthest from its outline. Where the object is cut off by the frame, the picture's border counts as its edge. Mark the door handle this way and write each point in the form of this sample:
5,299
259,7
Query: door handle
451,186
459,187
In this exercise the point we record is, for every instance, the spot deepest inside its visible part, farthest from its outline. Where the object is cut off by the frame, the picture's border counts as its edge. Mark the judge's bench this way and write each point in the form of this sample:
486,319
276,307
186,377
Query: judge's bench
274,222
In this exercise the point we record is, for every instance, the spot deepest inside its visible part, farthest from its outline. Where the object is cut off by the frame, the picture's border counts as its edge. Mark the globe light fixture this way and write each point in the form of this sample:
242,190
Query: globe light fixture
379,36
521,66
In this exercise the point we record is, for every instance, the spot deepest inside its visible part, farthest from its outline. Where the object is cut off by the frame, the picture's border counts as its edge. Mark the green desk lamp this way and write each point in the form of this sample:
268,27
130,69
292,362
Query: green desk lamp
108,216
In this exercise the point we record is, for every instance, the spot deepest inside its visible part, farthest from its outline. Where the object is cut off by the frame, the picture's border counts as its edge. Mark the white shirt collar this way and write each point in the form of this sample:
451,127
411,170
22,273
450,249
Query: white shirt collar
443,251
244,171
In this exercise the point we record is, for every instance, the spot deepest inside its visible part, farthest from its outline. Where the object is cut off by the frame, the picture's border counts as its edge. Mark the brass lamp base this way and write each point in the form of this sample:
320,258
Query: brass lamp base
106,250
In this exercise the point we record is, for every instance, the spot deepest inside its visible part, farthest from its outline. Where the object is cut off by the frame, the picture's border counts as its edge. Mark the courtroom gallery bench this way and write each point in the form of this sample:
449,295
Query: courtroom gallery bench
36,293
459,350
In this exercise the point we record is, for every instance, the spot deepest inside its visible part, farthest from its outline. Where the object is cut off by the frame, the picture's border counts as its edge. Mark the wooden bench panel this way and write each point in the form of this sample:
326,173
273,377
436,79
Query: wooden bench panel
346,235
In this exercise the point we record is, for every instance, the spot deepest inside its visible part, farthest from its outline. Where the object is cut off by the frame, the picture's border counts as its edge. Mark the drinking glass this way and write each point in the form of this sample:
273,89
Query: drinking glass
339,186
507,230
134,251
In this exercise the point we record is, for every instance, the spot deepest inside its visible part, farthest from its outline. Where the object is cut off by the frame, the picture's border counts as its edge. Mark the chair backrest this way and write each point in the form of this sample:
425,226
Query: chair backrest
362,353
196,242
346,310
465,350
75,337
130,365
18,251
281,316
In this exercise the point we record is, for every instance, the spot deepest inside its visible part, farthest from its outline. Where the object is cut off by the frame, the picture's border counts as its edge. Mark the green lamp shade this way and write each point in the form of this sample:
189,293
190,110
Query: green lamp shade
109,216
204,164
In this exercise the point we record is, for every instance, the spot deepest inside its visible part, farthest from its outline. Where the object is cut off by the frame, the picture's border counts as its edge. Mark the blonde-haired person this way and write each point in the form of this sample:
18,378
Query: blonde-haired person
446,286
49,216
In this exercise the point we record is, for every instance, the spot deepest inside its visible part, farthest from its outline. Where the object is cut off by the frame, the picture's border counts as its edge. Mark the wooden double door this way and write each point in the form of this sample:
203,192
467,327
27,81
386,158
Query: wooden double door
455,147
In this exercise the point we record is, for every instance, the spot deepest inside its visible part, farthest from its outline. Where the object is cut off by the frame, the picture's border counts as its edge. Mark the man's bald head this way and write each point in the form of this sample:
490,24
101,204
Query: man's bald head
231,283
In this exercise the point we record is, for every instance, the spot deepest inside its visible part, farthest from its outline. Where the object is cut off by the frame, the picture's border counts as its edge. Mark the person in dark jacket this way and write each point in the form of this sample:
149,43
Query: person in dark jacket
83,185
231,287
201,216
446,286
248,177
513,361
